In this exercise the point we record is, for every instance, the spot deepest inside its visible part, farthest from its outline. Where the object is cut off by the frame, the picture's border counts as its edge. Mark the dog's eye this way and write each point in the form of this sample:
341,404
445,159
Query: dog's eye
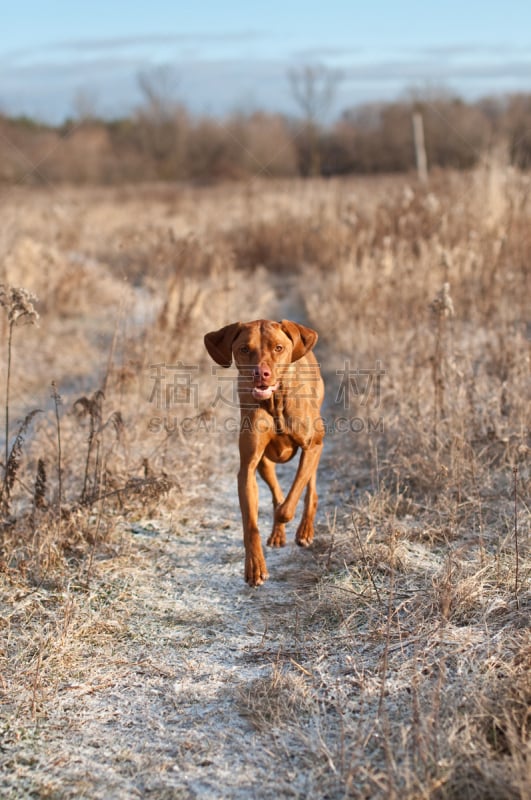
244,349
279,348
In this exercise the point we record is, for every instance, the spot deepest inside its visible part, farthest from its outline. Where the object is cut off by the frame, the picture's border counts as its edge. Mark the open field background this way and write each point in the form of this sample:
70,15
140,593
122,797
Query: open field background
393,658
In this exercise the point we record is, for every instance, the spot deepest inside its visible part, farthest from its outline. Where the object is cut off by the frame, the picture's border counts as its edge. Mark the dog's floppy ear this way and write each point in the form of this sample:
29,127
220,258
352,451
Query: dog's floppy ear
219,343
303,338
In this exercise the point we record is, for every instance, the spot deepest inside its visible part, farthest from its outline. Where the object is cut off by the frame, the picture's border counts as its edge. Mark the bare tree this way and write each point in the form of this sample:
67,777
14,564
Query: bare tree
159,89
313,87
162,120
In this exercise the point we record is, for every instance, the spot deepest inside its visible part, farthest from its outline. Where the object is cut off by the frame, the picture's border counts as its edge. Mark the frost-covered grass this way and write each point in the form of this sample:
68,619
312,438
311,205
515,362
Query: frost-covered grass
392,659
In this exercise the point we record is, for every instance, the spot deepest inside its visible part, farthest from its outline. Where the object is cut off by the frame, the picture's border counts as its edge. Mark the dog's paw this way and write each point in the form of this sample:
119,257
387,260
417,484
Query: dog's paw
255,571
304,535
278,536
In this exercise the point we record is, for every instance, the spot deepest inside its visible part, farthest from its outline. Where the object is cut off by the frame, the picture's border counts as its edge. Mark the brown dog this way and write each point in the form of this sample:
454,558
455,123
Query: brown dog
280,391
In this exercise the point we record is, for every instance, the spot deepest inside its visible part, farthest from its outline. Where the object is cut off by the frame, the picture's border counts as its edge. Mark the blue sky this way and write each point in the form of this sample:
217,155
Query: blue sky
234,55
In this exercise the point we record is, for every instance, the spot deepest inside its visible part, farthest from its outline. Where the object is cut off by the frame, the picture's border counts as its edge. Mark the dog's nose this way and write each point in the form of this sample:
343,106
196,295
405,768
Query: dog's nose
262,373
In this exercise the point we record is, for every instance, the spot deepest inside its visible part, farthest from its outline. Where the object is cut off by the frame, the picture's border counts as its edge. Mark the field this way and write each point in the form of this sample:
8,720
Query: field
392,659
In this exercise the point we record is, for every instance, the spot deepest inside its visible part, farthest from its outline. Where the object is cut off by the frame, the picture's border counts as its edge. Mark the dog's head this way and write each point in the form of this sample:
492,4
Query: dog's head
262,350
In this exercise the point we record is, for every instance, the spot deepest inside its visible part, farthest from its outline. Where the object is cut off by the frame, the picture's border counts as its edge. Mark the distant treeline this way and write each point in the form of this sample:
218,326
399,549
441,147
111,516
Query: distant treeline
168,143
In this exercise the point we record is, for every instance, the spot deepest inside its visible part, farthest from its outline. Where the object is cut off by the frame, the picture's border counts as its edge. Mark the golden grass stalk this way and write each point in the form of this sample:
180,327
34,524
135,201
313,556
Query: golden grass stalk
14,458
18,305
443,308
57,402
90,407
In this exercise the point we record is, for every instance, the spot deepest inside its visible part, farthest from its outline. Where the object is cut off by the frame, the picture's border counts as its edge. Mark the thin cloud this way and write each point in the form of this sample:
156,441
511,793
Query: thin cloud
312,54
154,39
128,42
471,50
401,70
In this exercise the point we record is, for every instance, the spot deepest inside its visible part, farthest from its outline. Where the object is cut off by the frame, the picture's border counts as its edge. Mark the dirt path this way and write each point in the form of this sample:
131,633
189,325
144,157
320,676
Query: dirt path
161,708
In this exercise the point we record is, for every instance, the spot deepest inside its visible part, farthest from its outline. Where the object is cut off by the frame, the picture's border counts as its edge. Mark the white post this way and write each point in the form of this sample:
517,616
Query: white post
420,148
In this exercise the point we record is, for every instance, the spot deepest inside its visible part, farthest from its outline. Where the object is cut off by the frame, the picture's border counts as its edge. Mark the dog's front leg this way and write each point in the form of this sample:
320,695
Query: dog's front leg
305,476
251,452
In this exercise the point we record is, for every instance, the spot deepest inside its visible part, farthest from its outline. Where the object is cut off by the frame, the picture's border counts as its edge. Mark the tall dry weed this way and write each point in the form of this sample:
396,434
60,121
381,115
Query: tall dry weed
19,309
91,408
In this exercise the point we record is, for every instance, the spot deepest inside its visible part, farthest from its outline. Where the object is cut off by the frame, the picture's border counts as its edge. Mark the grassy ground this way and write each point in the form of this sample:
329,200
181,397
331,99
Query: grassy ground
392,659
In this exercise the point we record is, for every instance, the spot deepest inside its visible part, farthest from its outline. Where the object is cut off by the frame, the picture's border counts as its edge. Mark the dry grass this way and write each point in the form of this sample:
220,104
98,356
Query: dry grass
279,699
392,660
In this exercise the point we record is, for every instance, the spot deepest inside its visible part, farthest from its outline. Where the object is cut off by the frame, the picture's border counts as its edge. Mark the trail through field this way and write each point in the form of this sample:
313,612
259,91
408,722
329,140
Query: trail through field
391,658
166,709
172,697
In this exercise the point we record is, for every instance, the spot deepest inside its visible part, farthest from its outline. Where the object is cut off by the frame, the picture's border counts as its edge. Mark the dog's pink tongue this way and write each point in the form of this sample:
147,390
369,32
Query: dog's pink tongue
264,394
